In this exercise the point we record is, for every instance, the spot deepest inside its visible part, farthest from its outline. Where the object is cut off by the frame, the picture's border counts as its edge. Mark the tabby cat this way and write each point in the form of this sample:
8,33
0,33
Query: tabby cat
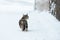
23,23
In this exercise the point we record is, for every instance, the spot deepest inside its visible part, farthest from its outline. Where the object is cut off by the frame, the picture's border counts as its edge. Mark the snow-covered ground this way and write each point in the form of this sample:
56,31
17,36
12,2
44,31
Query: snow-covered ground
42,25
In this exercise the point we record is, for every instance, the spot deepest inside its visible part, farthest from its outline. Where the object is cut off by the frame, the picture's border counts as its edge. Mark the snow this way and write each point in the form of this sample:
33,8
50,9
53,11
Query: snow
42,4
42,25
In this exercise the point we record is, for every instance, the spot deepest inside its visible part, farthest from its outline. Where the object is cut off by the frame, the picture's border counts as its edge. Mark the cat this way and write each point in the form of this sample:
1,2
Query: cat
23,22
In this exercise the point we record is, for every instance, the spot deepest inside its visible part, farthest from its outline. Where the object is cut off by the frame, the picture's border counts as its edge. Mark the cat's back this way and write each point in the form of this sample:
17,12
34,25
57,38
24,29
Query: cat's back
22,22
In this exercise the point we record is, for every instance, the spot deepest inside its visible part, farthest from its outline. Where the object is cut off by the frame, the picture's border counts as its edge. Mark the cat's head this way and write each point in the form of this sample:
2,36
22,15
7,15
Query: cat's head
25,16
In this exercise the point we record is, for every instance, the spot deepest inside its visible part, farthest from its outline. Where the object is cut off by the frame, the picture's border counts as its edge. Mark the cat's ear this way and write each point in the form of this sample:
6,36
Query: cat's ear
23,14
27,14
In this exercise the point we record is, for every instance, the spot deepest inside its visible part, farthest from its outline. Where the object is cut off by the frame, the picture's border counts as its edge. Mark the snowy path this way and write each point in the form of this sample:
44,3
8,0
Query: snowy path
42,26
